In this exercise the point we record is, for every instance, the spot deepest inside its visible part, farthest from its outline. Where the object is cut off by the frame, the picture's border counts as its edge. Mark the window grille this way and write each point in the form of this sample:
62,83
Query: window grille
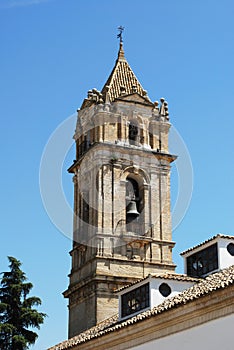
135,300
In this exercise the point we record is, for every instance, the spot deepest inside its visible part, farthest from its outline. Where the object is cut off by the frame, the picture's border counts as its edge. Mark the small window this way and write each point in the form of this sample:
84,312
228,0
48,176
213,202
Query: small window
165,289
81,256
135,300
119,131
151,140
230,249
203,262
132,133
85,211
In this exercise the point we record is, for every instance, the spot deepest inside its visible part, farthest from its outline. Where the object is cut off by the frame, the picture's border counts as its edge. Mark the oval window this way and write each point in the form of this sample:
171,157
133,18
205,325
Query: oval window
230,249
165,289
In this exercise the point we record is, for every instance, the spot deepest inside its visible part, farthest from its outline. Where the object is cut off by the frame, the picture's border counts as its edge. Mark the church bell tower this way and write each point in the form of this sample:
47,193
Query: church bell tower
122,219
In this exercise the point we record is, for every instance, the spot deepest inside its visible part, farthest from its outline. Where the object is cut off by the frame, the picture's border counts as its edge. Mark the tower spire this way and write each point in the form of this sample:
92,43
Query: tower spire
122,77
120,37
121,52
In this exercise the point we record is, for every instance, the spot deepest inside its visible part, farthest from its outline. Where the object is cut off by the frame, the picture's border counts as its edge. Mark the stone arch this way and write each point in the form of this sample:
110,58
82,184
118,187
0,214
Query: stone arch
141,178
138,174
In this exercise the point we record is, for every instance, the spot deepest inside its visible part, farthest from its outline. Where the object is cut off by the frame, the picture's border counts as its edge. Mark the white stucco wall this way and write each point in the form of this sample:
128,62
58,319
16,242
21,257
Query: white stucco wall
225,259
213,335
176,287
156,297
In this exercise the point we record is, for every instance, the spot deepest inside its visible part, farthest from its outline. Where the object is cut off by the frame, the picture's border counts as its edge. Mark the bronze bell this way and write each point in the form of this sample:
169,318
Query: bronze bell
132,209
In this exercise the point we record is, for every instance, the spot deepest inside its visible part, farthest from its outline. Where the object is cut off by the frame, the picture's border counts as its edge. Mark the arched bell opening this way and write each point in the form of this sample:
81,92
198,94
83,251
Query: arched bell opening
134,206
132,200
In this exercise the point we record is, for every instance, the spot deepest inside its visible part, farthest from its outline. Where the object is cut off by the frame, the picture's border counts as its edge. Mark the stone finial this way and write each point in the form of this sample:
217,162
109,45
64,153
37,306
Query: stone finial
164,108
89,94
101,99
156,107
95,96
121,52
107,97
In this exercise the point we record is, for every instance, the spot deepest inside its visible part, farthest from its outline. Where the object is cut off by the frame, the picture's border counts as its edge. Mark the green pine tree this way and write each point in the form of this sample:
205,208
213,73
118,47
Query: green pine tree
17,311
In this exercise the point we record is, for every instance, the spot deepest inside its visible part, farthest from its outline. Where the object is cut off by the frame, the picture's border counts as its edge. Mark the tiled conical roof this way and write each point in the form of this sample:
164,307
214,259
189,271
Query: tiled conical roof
122,80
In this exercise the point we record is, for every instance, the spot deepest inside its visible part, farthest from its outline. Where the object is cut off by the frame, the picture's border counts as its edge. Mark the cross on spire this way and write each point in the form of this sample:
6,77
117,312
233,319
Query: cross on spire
119,36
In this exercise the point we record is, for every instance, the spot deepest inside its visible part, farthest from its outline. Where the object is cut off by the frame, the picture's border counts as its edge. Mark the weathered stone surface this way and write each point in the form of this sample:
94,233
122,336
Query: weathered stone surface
120,135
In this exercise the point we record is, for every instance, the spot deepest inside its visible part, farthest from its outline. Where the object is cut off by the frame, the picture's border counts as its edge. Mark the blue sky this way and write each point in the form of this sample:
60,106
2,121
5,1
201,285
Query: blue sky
52,53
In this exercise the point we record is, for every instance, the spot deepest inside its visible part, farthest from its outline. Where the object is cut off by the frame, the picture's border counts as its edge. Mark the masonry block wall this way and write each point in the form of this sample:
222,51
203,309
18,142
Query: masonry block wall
119,236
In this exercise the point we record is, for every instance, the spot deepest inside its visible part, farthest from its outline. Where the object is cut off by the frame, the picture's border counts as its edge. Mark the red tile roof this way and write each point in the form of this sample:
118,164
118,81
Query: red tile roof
219,235
210,284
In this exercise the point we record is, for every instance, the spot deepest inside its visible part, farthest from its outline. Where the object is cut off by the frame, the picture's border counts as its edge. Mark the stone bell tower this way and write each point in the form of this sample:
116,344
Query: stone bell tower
122,219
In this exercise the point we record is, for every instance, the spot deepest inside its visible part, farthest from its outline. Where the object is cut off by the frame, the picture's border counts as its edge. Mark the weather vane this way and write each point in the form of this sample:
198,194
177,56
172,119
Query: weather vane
119,36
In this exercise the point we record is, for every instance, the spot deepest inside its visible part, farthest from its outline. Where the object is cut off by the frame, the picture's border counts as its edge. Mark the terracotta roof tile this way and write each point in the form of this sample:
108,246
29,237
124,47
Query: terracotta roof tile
122,81
211,283
90,333
122,84
219,235
170,276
